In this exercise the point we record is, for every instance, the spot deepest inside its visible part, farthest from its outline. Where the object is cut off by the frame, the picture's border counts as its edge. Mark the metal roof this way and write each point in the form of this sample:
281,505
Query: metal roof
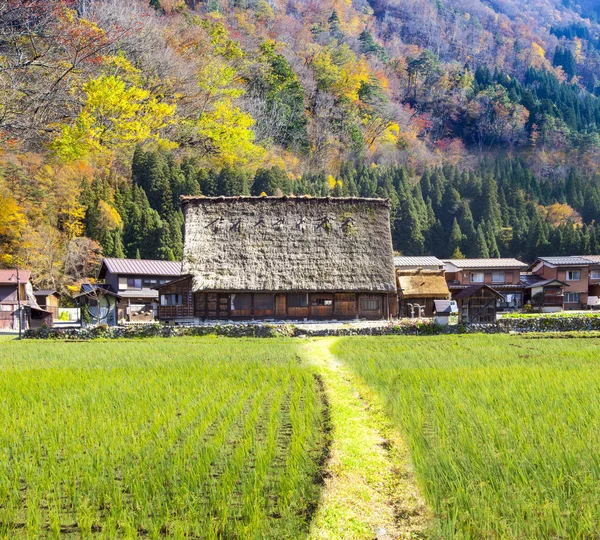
141,267
571,260
593,258
9,277
418,261
445,307
470,291
44,292
88,289
486,263
148,294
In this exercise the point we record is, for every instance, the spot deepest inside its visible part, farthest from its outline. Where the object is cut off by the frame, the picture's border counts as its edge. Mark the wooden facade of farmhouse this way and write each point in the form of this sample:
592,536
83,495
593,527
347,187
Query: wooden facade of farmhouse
283,258
179,303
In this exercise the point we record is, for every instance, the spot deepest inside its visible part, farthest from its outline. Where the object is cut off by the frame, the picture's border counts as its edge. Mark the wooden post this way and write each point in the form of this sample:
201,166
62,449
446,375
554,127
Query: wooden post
19,302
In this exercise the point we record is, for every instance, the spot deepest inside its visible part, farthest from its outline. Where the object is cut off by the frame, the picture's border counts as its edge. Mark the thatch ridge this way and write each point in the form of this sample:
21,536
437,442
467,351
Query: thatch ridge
422,283
288,244
185,199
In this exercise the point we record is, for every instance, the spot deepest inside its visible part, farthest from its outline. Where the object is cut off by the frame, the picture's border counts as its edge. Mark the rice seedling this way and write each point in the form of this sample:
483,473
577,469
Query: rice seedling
503,430
190,437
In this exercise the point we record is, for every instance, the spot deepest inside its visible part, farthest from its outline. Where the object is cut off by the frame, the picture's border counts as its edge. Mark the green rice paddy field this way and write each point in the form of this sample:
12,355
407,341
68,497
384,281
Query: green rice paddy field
231,438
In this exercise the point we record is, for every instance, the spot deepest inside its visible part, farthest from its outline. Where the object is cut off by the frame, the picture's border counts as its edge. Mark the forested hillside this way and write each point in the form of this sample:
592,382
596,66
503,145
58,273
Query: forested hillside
479,120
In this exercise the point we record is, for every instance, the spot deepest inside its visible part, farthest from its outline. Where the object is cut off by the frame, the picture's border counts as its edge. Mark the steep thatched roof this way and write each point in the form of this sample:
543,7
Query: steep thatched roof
422,283
288,244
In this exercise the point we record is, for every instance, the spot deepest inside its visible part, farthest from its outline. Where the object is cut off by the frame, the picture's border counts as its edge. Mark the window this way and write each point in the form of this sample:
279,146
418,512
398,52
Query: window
134,283
595,274
263,302
322,302
572,298
370,304
498,277
241,302
477,277
297,300
573,275
171,299
6,307
149,282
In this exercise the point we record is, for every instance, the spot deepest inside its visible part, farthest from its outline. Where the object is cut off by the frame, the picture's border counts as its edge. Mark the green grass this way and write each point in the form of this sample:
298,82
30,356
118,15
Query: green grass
189,437
504,431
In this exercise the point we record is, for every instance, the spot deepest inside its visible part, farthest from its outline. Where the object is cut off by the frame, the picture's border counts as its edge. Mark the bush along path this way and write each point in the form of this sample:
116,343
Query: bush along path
370,489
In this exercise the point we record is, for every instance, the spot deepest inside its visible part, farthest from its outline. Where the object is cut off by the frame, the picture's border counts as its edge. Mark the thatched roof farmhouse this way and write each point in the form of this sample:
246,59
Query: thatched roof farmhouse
285,257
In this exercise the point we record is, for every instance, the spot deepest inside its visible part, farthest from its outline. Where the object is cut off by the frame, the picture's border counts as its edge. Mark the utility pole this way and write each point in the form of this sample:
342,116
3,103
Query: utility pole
19,314
19,302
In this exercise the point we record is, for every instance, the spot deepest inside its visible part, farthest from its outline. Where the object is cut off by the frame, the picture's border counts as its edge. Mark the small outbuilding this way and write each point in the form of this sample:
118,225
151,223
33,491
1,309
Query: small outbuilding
49,301
477,304
417,291
443,309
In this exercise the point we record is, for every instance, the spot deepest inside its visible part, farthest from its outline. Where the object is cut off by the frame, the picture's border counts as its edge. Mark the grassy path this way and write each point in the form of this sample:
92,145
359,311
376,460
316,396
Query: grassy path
370,490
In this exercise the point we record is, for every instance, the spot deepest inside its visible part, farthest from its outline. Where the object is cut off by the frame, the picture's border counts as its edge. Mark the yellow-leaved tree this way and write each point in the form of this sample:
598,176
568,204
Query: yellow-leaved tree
116,113
12,226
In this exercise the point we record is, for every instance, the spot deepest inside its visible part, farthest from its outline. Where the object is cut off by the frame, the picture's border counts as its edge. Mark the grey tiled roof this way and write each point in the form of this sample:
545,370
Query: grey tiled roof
417,261
593,258
486,263
571,260
142,267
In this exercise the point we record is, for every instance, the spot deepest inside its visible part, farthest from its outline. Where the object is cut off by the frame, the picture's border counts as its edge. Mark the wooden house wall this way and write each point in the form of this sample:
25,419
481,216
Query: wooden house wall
222,305
479,308
428,303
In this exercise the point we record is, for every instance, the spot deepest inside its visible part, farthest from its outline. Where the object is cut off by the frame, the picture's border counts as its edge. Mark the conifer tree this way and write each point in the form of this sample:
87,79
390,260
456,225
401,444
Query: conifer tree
456,237
481,248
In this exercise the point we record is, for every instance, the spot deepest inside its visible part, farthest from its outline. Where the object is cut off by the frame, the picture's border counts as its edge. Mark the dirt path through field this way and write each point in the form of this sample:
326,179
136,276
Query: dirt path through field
370,491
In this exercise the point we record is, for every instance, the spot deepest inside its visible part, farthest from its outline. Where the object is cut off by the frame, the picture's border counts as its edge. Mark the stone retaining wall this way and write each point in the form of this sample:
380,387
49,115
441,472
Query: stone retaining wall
408,328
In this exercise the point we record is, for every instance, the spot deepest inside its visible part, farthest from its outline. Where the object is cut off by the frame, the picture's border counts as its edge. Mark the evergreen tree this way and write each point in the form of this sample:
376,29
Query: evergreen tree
481,247
271,181
456,238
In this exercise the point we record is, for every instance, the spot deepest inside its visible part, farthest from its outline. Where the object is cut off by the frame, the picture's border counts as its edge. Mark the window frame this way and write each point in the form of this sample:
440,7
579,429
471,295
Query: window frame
262,296
171,300
594,274
246,300
472,274
578,272
365,302
572,294
497,273
303,303
134,280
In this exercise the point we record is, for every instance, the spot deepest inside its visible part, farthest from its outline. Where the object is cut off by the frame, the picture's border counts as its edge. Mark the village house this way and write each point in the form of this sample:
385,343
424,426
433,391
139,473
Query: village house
545,295
134,281
283,258
503,275
17,301
574,271
420,281
594,281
